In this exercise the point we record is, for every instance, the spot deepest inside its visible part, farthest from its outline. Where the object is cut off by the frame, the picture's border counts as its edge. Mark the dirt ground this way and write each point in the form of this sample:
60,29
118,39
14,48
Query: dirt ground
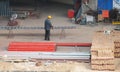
68,66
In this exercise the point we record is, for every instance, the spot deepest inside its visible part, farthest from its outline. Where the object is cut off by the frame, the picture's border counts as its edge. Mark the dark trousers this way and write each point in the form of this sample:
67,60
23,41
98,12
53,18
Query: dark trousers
47,34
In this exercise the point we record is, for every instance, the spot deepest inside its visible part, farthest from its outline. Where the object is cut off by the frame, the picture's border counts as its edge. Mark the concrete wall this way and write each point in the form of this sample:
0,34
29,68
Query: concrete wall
31,1
23,1
93,4
64,1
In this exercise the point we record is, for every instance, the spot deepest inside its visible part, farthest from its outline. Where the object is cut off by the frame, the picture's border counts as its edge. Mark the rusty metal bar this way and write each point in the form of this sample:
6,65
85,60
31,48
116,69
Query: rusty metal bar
74,44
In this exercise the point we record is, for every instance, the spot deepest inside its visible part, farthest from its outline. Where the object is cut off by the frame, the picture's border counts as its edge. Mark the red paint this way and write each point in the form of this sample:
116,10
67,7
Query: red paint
41,46
32,46
105,13
71,13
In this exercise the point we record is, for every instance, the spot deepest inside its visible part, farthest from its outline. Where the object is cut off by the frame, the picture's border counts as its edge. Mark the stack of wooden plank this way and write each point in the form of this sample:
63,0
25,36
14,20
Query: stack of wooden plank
102,52
116,39
100,18
117,49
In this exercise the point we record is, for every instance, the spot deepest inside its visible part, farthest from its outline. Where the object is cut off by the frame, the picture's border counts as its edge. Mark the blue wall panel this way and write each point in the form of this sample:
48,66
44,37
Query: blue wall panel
105,4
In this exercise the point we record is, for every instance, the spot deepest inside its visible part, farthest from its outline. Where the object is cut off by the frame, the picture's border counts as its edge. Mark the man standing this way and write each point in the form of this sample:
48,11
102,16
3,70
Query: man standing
48,26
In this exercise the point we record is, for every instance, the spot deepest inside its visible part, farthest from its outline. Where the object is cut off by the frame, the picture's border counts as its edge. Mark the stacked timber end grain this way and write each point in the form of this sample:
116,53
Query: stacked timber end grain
116,38
102,52
117,49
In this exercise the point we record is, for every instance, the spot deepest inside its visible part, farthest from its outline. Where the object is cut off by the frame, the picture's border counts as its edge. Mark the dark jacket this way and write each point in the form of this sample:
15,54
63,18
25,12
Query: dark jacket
48,24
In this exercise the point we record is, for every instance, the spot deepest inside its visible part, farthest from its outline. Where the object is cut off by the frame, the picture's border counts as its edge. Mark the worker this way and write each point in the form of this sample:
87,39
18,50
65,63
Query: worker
48,26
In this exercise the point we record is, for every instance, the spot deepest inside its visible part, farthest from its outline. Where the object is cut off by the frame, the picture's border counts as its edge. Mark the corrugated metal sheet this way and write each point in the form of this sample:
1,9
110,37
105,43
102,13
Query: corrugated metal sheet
4,8
105,4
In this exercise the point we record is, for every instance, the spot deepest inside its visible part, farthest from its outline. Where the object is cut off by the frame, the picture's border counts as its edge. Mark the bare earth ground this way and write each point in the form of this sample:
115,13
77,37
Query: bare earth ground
51,67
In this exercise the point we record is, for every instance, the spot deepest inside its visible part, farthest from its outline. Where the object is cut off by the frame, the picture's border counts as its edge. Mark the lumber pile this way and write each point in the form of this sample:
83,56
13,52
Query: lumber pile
117,49
100,18
116,38
102,52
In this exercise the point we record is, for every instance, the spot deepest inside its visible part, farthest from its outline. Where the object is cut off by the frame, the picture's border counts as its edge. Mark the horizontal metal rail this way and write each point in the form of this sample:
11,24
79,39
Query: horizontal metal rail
46,55
74,44
23,27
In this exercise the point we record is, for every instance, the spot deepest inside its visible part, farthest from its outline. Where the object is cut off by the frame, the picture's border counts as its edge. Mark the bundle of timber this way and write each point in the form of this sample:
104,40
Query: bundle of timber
100,18
116,39
117,49
102,52
116,33
102,58
103,67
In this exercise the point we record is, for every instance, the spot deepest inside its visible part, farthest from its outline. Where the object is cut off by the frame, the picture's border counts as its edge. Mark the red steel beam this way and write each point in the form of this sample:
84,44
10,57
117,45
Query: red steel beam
41,46
74,44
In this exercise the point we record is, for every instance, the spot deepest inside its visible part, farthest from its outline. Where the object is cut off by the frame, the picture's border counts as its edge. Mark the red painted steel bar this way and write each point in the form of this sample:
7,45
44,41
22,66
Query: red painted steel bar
74,44
41,46
32,46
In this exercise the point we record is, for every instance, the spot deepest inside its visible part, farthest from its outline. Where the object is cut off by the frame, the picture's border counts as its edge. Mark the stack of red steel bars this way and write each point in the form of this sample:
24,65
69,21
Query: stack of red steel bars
32,46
